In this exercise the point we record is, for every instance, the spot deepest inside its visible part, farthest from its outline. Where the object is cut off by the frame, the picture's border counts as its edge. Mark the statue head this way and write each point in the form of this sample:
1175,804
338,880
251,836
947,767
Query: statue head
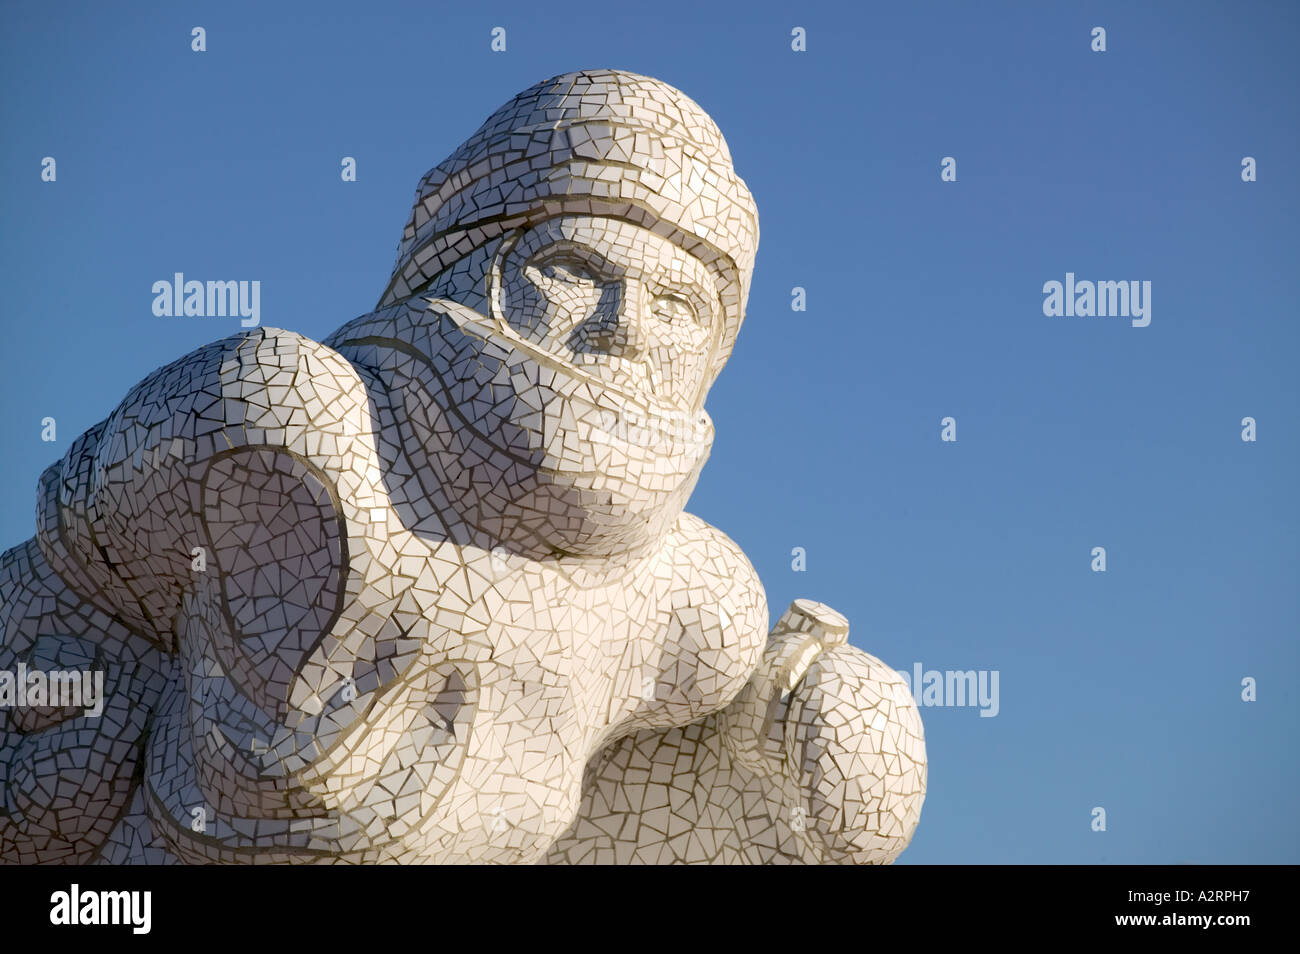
590,248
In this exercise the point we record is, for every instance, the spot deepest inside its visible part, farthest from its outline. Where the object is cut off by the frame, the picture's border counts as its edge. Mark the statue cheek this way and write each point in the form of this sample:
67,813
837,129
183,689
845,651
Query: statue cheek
682,359
550,314
525,308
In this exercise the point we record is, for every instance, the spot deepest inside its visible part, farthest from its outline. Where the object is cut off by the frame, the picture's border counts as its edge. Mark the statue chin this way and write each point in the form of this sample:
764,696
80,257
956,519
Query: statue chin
607,479
606,516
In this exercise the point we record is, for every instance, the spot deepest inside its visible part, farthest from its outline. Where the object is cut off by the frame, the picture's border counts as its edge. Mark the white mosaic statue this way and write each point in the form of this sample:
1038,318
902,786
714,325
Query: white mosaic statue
426,592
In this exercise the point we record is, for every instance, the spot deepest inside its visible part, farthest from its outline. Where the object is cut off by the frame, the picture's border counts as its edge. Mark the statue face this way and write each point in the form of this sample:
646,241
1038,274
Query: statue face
617,301
576,405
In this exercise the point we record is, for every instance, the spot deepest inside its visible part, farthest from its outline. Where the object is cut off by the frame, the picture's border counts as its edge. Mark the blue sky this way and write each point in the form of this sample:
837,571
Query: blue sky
1119,689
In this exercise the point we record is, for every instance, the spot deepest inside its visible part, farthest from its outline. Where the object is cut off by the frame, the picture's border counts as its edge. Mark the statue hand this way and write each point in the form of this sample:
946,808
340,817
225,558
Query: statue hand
837,733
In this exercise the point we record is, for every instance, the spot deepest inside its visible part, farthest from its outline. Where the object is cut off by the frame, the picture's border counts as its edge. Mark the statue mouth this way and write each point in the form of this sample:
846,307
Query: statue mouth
587,400
672,433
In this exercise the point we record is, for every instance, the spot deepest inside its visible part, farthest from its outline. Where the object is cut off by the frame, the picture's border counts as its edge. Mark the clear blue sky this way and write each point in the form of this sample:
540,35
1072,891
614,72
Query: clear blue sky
1120,690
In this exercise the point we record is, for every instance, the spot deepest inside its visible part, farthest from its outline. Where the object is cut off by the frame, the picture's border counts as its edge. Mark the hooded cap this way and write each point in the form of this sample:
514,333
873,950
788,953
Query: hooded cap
596,142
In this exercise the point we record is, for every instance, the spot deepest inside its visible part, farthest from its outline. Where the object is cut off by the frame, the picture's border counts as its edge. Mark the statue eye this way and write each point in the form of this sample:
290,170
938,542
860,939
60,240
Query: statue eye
675,308
567,268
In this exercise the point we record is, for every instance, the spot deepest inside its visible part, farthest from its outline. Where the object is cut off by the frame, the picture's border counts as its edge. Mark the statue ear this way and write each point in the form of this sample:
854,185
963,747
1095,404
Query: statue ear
279,549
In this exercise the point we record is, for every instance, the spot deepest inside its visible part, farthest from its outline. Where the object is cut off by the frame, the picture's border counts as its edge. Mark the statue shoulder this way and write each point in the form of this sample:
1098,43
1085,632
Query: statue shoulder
258,420
708,556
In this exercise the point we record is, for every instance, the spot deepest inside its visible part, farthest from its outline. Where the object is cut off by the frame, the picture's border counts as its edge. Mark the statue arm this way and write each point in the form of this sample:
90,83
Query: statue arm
820,758
201,463
67,771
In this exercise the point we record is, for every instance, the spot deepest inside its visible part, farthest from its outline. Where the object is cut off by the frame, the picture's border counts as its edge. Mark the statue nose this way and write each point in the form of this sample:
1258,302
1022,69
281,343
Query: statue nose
616,327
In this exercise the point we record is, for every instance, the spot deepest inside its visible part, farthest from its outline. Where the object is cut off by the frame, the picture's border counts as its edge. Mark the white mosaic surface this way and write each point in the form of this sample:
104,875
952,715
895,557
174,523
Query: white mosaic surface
451,608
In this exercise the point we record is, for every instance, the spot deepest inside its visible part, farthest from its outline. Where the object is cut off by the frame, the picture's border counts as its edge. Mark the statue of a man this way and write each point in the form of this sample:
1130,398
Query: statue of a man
426,591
